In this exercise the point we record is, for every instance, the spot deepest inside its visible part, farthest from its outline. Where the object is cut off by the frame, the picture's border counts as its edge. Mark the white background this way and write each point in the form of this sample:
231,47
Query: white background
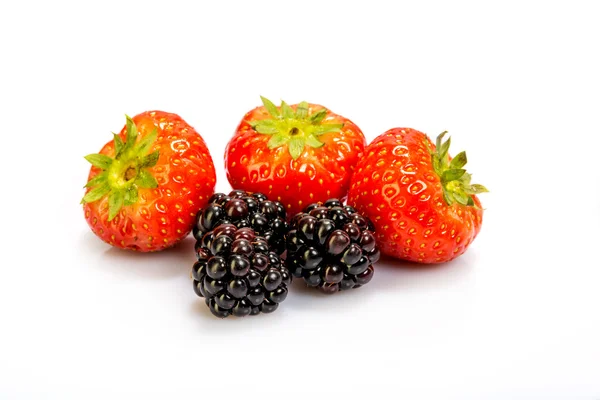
515,83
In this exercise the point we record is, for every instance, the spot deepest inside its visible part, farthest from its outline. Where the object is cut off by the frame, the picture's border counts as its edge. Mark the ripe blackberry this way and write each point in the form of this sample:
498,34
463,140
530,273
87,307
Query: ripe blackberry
237,273
332,247
267,218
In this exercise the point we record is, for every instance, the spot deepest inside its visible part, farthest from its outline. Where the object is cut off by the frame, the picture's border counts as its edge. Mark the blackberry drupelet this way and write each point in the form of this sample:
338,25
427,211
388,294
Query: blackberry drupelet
267,218
237,273
332,247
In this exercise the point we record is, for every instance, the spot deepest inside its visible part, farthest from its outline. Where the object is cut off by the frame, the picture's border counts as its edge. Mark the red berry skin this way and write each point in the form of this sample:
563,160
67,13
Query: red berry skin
316,175
396,186
164,215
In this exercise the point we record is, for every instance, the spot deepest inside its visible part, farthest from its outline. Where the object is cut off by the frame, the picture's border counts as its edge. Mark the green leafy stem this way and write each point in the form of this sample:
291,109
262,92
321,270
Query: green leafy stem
123,175
456,181
296,129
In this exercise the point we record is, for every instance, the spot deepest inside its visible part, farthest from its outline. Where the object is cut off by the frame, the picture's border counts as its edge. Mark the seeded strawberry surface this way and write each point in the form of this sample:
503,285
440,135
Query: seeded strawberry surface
422,212
156,204
297,154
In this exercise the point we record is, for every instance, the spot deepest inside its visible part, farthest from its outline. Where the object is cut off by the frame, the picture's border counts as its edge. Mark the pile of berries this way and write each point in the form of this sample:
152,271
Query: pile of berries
145,186
241,236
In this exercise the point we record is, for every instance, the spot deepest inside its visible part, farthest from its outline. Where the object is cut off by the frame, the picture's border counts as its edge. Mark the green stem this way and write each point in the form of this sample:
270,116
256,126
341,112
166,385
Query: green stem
294,129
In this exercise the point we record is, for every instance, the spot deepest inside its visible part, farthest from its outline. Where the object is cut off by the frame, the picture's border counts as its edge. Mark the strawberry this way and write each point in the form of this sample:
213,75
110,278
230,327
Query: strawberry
298,154
421,200
145,186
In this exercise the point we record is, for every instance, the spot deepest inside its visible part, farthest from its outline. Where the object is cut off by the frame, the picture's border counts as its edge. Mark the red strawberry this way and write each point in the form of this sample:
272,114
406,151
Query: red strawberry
297,154
145,187
421,201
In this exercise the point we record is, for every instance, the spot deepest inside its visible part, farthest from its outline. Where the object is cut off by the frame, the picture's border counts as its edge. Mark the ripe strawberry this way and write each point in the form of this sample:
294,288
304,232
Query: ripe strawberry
145,186
298,154
422,202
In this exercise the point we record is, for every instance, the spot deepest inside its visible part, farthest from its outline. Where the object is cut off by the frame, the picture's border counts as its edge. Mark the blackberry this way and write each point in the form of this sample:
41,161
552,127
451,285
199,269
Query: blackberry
242,209
237,273
332,247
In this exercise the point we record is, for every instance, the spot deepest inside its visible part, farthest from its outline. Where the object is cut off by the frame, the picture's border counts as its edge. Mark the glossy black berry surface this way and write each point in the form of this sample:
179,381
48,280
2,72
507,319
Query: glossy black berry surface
331,247
238,273
267,218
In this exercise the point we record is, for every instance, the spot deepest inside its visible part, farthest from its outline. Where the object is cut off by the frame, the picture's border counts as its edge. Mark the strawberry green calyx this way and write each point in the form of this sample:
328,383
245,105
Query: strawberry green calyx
296,129
123,175
456,181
